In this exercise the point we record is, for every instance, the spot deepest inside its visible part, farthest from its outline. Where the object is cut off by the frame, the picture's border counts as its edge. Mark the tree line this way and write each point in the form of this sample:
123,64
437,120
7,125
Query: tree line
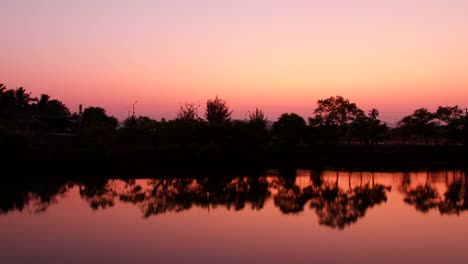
335,119
46,123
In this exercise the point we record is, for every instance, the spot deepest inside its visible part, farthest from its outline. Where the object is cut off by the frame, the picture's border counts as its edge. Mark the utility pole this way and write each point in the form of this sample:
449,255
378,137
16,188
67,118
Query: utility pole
134,108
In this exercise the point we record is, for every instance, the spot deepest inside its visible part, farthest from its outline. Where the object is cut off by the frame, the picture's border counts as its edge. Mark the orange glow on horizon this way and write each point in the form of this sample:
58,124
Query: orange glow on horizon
280,57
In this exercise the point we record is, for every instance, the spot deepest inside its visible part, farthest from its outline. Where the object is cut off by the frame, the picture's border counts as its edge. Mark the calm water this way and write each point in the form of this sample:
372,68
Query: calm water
287,217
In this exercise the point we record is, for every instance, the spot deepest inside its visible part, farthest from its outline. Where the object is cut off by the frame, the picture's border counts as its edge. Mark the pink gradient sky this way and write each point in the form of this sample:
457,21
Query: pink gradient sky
281,56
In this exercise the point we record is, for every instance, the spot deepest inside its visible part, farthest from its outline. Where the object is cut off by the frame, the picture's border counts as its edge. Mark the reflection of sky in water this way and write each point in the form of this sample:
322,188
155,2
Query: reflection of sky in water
390,227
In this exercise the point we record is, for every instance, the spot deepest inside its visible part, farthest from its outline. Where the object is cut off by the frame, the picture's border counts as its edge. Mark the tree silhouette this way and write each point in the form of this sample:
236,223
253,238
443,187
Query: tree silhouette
15,107
188,111
50,115
448,113
257,135
23,99
335,111
137,132
369,128
52,108
142,122
258,118
97,130
96,117
289,129
420,124
2,94
334,115
217,111
450,120
43,100
7,104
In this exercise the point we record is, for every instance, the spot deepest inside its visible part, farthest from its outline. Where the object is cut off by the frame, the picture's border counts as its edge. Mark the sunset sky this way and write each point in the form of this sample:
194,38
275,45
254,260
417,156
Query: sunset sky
280,56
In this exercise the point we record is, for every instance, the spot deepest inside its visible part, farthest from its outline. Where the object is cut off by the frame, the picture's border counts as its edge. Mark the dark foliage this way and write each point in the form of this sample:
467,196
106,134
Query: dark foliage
43,130
217,111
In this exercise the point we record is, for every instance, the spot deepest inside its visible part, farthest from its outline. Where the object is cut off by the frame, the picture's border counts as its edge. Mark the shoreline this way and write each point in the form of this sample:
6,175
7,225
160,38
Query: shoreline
128,161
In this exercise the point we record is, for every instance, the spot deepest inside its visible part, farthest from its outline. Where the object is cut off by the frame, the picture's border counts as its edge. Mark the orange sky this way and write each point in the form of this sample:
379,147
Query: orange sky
281,56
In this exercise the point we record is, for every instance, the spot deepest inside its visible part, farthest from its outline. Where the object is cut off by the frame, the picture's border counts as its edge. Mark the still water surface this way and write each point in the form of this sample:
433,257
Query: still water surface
282,217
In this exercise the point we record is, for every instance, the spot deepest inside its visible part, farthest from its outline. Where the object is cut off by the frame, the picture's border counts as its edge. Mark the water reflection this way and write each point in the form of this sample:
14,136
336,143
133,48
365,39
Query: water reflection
30,196
445,191
338,198
335,206
99,193
338,207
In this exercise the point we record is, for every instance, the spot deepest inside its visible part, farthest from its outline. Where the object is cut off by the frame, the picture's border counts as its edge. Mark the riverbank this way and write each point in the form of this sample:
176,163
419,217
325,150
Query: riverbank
213,159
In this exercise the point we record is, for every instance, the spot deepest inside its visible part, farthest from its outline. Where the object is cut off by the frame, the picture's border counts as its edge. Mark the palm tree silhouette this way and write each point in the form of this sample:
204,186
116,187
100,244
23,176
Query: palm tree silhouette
22,98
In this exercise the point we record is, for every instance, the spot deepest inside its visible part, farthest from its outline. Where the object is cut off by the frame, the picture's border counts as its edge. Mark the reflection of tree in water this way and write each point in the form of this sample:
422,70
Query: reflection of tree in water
426,197
32,196
336,201
368,196
47,197
456,197
233,192
160,195
178,194
338,208
335,207
290,198
422,197
99,193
